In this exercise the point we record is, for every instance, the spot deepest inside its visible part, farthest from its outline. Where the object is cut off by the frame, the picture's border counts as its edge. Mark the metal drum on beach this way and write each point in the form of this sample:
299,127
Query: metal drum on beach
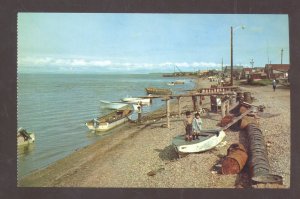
235,160
247,97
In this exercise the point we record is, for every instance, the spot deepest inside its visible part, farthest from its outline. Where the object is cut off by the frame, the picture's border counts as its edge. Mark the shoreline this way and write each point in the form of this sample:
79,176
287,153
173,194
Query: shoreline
125,158
147,119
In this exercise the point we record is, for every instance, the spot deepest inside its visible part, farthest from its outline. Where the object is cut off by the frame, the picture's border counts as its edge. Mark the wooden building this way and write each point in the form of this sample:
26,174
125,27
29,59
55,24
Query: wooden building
277,70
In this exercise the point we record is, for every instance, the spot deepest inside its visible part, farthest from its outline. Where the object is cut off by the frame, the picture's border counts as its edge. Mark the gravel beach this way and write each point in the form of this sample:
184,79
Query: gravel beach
142,155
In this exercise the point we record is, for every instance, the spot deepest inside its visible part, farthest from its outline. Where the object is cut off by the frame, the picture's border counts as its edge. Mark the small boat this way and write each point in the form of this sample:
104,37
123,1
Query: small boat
112,105
171,83
179,82
24,137
208,139
136,100
113,119
158,91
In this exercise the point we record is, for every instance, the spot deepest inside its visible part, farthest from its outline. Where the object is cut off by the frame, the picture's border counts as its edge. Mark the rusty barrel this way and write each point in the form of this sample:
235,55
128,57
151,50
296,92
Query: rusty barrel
243,109
226,120
235,160
247,97
239,96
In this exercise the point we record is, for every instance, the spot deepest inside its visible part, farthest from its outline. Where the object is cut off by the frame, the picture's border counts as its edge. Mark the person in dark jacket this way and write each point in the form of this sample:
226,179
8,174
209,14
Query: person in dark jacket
274,84
188,124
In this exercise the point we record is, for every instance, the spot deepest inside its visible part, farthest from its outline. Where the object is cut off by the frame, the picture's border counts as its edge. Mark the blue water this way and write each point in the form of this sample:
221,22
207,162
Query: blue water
56,106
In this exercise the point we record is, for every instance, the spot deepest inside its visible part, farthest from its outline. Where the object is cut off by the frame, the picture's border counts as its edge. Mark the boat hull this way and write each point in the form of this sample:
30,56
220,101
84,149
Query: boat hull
111,120
135,100
208,140
112,105
158,91
105,126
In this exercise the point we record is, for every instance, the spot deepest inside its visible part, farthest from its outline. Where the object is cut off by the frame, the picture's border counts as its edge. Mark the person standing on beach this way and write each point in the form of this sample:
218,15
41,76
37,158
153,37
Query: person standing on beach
139,110
274,84
197,126
188,122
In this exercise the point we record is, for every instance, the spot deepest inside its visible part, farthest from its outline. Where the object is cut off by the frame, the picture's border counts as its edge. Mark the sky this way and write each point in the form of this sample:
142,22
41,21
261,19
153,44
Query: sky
147,43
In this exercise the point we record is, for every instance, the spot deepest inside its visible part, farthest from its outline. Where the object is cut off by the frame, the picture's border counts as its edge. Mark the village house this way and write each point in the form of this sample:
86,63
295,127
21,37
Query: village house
246,72
277,70
253,73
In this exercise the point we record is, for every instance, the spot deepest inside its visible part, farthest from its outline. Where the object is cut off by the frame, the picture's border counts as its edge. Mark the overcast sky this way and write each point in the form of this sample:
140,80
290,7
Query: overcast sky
141,43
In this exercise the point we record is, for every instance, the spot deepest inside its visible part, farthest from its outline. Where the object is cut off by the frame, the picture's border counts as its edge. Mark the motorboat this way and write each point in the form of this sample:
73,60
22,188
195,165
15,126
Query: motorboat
24,137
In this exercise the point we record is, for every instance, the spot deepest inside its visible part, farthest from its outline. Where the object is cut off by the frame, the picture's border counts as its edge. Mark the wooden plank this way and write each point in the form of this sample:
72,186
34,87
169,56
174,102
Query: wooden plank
236,119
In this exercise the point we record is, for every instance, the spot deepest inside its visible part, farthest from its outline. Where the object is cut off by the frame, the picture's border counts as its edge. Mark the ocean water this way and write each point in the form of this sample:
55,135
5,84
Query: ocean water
56,106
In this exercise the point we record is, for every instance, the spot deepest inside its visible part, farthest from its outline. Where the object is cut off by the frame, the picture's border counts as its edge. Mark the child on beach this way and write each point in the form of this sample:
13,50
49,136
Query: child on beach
197,126
188,126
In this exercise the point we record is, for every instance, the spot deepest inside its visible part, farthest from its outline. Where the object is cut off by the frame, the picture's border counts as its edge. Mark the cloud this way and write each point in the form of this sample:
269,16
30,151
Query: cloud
82,64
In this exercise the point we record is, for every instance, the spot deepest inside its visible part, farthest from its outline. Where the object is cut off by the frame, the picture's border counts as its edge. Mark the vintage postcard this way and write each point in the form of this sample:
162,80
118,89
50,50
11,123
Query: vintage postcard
132,100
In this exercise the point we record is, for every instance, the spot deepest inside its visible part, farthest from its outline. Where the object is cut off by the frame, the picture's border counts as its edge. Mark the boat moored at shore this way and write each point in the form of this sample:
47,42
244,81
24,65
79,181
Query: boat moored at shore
113,119
158,91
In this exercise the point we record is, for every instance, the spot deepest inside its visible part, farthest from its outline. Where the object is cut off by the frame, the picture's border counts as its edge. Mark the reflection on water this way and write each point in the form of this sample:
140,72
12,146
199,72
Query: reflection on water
26,149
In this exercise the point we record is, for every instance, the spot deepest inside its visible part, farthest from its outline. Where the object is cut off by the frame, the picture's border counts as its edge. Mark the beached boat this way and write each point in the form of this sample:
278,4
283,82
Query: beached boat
113,119
136,100
208,139
24,137
158,91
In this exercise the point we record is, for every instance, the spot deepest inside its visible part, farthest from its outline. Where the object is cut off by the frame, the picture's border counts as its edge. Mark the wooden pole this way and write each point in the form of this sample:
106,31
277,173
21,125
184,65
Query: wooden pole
197,104
231,56
168,112
194,99
179,106
200,101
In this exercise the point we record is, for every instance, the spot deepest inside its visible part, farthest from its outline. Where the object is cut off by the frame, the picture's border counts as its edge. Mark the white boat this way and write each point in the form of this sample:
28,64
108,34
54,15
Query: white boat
171,83
24,137
136,100
112,105
113,119
208,139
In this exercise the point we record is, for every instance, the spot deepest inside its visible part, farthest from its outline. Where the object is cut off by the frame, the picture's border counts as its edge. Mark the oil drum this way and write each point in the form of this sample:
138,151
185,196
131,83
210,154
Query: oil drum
239,96
247,97
235,160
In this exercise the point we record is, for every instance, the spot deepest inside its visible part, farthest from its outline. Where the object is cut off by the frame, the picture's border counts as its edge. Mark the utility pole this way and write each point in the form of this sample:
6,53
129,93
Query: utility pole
252,62
231,56
281,54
